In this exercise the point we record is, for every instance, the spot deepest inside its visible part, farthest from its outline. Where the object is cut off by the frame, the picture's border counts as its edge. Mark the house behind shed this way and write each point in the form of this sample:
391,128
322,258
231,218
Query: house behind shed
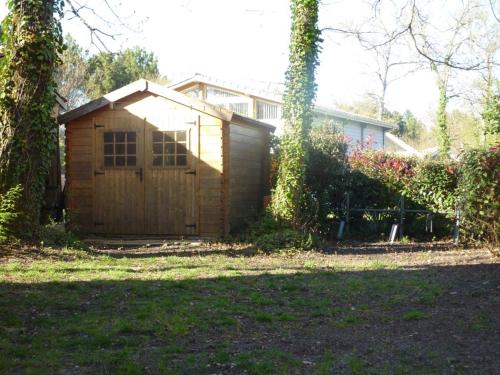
145,159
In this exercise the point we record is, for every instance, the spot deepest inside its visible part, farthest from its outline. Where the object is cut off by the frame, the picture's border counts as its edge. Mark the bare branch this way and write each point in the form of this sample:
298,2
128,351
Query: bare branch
492,6
94,31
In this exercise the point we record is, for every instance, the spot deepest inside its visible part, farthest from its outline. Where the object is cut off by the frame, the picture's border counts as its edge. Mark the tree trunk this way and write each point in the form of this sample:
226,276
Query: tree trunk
443,136
300,89
28,132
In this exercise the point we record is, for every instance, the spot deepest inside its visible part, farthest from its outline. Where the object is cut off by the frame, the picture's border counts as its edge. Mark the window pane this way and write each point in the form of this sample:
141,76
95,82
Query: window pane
181,148
131,149
158,161
157,137
181,160
120,149
192,93
120,161
170,160
240,108
131,137
181,136
158,148
170,148
108,137
131,160
108,149
108,161
119,137
169,136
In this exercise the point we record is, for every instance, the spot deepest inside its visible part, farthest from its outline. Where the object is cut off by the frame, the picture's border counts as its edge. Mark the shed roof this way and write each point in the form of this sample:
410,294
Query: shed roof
143,85
274,92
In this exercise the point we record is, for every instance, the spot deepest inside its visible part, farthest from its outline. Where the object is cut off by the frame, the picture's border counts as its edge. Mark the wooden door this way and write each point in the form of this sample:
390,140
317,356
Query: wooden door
170,176
119,185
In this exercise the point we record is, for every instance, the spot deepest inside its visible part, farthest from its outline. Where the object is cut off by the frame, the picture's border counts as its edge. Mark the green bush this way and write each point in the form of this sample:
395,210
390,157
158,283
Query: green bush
269,234
327,176
429,184
55,235
8,212
479,195
433,185
285,239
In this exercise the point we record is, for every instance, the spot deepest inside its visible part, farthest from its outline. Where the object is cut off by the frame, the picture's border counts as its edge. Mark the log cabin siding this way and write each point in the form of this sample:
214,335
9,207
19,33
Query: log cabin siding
226,169
210,169
248,162
79,173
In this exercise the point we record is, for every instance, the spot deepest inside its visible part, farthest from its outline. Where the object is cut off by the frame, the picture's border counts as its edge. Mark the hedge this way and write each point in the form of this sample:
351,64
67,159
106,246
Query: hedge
471,184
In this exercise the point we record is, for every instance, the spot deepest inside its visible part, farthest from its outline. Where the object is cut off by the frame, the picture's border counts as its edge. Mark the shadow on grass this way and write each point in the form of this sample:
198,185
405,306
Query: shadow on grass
348,248
246,251
434,320
357,248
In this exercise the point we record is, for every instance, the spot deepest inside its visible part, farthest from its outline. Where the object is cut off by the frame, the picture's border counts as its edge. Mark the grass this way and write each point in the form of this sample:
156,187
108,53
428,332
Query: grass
72,311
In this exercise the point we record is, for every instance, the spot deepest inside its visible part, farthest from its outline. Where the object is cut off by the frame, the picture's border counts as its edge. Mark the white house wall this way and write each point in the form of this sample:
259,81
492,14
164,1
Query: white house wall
373,137
357,133
352,132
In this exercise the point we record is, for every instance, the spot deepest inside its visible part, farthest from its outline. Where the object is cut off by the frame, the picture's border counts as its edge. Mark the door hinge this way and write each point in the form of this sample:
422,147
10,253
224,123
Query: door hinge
97,224
98,173
98,126
191,172
191,226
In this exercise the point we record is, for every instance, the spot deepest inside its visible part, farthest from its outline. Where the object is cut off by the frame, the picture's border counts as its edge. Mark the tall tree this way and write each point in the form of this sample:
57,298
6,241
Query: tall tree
447,49
289,197
71,74
109,71
390,59
31,41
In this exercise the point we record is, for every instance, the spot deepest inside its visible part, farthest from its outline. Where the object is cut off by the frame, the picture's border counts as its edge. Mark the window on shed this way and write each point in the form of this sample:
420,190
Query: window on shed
120,149
268,111
170,148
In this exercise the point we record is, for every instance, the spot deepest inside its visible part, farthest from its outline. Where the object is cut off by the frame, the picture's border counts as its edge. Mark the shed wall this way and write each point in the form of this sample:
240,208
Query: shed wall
80,160
249,171
79,173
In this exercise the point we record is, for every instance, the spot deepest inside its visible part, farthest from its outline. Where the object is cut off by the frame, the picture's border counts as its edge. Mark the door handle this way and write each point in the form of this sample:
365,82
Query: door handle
139,172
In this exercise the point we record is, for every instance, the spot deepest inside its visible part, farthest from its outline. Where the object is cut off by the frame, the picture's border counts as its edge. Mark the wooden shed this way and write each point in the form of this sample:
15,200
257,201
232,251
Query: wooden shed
147,160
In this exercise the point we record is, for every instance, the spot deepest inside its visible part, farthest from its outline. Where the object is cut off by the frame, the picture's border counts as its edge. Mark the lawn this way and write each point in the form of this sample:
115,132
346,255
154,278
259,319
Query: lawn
214,309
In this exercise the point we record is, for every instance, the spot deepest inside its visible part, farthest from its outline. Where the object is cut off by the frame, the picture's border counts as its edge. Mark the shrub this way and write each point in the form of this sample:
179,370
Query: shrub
427,183
479,194
327,175
285,239
268,234
55,234
433,185
8,212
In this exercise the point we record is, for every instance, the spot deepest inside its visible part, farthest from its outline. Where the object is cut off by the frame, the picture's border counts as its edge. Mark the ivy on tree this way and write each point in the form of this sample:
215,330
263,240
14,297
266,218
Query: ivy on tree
290,196
32,41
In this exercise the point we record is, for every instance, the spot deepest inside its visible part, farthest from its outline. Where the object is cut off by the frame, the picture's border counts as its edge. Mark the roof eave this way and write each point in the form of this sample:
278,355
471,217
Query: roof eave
246,120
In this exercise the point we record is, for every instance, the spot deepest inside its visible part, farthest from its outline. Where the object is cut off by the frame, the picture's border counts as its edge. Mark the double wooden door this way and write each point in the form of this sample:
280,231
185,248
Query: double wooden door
145,177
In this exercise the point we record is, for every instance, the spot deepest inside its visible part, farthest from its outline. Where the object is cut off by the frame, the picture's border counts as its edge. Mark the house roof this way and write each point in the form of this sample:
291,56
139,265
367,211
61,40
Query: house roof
269,92
143,85
274,92
407,149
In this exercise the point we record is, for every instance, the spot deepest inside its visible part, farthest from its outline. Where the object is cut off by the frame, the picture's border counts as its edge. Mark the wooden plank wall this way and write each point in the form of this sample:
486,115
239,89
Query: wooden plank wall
79,173
211,183
80,164
209,170
249,171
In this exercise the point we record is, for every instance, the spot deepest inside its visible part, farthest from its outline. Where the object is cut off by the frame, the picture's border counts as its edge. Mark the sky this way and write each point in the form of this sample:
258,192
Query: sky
248,41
